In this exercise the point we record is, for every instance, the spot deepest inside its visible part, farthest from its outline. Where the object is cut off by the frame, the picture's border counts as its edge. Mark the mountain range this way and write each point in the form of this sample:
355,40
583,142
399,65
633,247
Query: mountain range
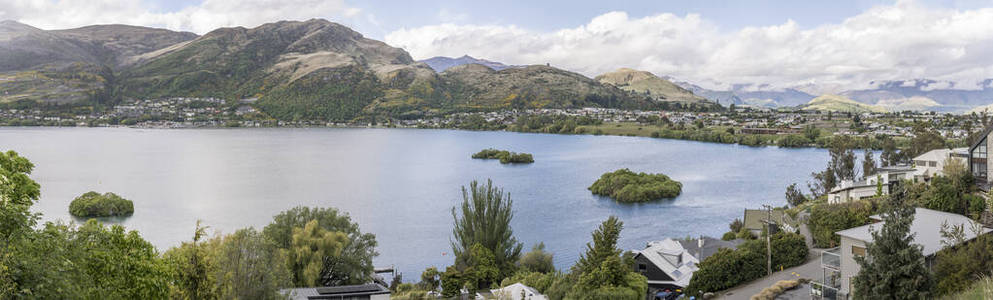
914,95
441,63
320,70
311,70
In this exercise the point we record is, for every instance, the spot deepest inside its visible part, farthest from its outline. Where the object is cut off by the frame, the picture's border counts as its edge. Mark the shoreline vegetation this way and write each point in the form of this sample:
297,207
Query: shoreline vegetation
95,205
505,157
629,187
808,138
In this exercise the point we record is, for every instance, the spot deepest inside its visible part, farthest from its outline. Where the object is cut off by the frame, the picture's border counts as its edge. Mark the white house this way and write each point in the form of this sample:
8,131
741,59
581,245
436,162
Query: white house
931,163
517,291
849,190
839,263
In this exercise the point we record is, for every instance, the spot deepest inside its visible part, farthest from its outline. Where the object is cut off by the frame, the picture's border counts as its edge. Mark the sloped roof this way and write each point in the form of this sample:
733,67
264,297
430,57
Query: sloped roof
514,291
754,217
670,257
710,246
926,228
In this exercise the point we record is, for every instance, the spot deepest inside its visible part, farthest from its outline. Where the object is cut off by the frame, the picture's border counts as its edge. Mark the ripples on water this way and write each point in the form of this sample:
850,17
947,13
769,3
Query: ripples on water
400,184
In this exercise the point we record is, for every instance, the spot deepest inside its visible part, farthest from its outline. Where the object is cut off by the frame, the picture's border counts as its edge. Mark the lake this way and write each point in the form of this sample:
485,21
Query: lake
400,184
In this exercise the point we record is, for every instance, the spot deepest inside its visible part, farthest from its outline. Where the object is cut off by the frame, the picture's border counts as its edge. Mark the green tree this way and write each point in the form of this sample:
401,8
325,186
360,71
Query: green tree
811,132
17,193
868,164
893,267
249,266
602,272
794,196
311,246
430,279
352,266
538,260
484,218
925,139
117,264
890,155
193,272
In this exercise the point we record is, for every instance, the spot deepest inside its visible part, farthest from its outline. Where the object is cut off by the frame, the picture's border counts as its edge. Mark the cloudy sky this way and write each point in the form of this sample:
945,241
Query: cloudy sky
780,43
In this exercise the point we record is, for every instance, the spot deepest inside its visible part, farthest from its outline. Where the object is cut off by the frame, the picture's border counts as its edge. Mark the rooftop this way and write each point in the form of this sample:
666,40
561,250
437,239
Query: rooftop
926,228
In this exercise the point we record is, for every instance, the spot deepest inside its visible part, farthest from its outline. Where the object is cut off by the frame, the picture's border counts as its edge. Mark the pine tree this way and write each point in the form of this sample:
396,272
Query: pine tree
893,267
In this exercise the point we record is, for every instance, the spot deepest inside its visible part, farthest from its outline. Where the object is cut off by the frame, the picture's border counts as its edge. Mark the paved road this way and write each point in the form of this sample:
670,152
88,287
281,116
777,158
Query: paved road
810,270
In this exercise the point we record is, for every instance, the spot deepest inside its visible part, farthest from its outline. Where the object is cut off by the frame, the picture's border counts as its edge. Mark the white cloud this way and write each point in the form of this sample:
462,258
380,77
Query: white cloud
201,18
894,42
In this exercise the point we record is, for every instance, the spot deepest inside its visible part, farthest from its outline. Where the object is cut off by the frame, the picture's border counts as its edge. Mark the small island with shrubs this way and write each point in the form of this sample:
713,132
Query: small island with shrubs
505,157
630,187
93,204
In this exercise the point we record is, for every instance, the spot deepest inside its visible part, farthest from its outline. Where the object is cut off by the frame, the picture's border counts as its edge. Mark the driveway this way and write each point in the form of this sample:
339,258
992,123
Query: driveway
810,270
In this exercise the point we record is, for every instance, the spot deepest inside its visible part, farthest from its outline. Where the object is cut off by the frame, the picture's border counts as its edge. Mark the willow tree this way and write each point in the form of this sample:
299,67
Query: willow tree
484,218
312,245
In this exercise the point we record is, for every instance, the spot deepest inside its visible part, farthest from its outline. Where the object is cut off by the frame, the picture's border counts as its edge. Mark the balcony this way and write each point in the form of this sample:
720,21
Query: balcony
831,259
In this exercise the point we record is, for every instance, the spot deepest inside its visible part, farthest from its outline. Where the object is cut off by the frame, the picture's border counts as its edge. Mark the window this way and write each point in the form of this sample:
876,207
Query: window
933,163
858,251
642,268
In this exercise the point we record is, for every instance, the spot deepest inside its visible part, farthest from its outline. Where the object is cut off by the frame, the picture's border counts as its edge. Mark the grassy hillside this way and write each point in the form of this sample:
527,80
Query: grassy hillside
650,86
477,86
840,104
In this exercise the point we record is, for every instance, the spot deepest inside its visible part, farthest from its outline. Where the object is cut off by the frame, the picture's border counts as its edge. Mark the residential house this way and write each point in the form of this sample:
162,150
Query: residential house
669,264
978,164
931,163
880,182
371,291
839,266
755,219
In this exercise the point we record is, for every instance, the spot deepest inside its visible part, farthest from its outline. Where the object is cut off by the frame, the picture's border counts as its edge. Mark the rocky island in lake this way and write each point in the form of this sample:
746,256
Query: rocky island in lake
630,187
505,157
93,204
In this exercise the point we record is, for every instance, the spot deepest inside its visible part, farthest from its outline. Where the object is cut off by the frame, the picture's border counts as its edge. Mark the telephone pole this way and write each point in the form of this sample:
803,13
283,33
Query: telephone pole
768,240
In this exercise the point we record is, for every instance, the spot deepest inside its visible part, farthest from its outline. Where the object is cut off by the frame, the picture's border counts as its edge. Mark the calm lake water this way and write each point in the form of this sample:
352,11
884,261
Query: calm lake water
400,184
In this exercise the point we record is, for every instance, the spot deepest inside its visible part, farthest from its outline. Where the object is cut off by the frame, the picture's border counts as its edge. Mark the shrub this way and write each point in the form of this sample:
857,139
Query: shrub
505,157
728,268
771,292
826,219
626,186
956,268
93,204
725,269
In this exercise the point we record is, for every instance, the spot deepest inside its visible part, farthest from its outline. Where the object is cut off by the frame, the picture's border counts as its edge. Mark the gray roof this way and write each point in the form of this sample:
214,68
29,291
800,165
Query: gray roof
335,292
926,228
710,246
